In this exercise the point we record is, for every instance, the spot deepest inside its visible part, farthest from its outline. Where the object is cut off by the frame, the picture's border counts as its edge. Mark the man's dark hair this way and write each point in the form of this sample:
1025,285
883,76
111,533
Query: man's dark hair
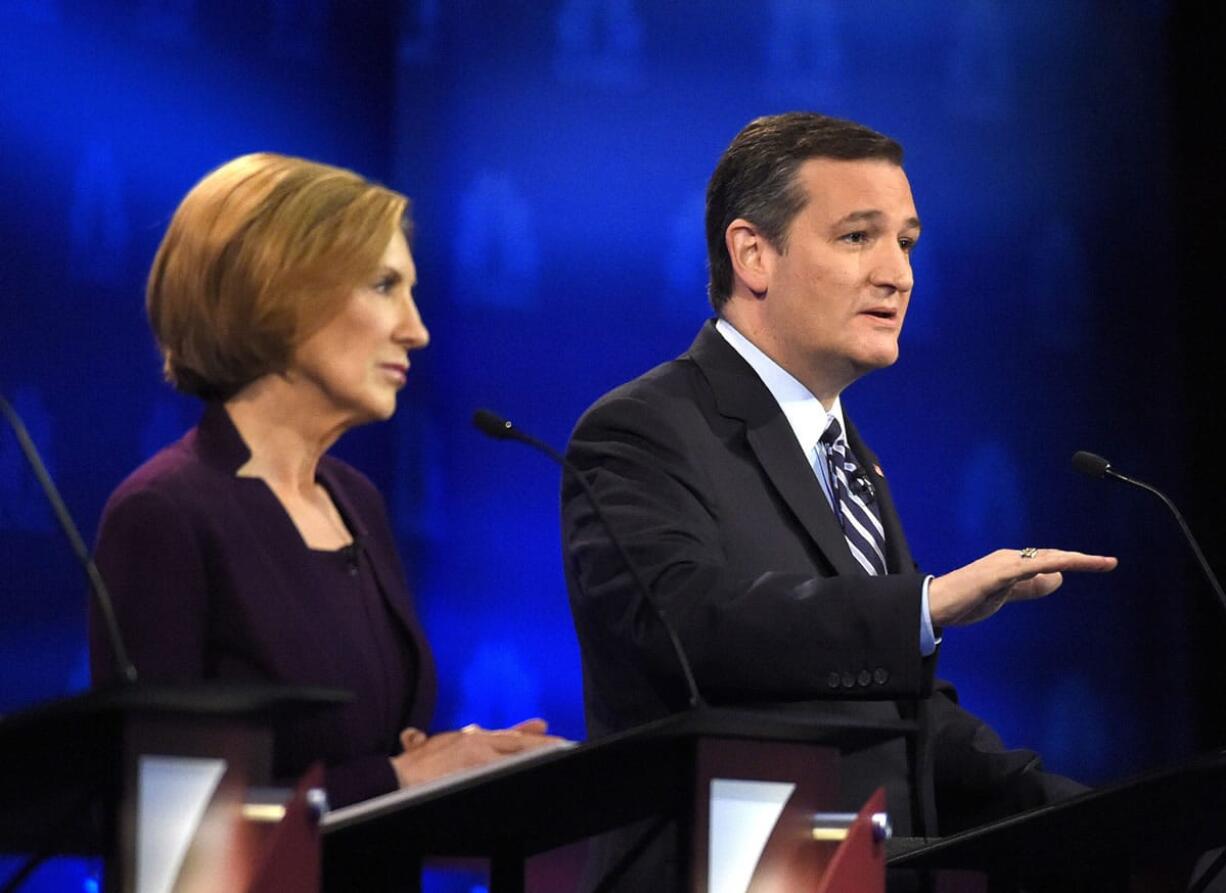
756,179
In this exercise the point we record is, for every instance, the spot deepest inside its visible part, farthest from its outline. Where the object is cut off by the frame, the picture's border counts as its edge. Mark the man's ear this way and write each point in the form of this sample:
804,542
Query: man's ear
752,256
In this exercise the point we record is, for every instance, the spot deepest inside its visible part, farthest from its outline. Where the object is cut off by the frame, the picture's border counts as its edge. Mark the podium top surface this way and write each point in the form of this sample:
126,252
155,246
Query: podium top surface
1139,821
765,724
90,718
632,774
204,699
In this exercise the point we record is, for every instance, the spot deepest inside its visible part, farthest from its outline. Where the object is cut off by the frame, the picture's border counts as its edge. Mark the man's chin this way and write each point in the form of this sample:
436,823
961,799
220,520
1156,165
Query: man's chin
877,358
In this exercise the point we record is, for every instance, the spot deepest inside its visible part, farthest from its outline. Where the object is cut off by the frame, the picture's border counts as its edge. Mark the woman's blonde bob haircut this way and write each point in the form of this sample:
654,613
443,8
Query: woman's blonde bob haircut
262,253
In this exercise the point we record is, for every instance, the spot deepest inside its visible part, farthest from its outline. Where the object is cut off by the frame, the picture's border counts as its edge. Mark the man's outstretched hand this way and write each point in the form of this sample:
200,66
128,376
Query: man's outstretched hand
980,589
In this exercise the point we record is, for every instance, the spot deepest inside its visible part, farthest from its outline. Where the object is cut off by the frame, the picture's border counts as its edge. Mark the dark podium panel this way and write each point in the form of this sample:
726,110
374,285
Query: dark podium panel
1144,834
514,811
71,771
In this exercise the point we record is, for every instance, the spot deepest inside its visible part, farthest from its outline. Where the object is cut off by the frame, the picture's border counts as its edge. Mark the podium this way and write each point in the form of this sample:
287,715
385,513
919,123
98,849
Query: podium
85,775
1143,834
669,769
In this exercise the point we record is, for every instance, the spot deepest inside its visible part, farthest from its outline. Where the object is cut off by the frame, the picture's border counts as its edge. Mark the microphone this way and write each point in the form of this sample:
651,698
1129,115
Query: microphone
497,427
102,596
1090,464
1096,466
500,429
352,554
862,486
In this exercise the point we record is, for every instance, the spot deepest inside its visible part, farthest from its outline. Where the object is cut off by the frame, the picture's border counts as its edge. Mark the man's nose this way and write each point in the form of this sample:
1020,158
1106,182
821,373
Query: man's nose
892,269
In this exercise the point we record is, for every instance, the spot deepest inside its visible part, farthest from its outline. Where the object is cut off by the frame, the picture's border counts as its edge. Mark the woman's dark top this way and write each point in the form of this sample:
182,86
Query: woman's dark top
212,581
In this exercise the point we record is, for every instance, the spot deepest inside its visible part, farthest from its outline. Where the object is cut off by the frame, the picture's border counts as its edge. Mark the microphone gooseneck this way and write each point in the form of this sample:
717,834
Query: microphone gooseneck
1097,467
102,595
497,427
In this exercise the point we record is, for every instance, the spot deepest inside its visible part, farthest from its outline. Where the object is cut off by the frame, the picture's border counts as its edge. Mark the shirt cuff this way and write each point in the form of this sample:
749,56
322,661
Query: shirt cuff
928,639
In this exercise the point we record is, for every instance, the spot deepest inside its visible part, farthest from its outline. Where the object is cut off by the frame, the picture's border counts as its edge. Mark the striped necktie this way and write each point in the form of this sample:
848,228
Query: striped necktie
861,524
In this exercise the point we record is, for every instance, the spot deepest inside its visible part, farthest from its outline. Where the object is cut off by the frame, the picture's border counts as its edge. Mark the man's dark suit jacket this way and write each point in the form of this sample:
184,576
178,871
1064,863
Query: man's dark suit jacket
698,469
212,581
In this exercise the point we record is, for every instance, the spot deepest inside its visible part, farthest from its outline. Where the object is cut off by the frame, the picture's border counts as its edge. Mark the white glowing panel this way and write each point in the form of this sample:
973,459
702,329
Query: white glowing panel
173,795
743,814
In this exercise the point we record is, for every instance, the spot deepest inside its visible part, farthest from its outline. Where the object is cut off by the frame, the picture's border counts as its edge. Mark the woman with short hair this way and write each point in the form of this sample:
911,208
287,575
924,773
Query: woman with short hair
281,295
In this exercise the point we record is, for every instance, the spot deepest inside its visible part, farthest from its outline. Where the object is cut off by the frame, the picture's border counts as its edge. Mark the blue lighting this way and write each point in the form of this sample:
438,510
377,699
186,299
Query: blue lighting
556,156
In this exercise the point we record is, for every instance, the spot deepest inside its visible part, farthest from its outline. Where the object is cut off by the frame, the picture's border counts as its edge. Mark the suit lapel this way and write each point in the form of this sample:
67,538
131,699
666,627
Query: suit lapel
741,395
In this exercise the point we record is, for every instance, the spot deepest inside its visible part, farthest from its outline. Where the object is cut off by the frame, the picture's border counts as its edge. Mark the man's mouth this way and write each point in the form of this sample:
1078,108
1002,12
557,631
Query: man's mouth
885,313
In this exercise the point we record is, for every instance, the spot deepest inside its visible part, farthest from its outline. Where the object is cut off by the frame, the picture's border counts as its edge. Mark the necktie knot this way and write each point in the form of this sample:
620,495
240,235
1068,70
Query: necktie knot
834,431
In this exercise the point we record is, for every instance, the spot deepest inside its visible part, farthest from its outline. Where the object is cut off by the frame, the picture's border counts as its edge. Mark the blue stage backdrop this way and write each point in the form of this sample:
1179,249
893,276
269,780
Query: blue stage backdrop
556,154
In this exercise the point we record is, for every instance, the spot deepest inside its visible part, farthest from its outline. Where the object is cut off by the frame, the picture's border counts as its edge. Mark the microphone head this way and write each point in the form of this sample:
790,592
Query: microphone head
492,425
1091,464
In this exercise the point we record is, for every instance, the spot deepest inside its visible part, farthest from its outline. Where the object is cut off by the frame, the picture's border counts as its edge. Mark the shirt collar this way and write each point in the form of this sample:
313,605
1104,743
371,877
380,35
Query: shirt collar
218,441
803,411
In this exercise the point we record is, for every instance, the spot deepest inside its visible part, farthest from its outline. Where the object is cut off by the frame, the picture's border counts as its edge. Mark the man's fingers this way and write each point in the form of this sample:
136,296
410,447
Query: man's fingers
1045,561
1018,567
976,591
1037,586
1097,563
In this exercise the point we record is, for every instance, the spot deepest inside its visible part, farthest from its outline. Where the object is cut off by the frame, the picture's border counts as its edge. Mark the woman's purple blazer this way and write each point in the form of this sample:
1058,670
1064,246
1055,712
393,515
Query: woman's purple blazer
212,581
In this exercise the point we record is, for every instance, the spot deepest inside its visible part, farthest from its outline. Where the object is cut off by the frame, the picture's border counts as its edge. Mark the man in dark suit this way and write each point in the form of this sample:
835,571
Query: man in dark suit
761,521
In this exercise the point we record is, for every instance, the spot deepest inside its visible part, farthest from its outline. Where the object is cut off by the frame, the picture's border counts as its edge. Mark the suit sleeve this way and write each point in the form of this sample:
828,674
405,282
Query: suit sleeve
151,561
751,634
978,779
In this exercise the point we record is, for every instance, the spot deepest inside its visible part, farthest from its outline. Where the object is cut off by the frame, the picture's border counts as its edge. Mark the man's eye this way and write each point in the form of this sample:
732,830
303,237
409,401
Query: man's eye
385,285
857,238
906,245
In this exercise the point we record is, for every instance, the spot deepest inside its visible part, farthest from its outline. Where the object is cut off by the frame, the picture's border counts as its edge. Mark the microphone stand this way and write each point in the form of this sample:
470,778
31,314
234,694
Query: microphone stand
102,597
501,429
1096,466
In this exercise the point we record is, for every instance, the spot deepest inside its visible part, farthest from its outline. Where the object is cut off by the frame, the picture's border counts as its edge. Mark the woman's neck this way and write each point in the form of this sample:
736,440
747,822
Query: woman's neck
286,437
